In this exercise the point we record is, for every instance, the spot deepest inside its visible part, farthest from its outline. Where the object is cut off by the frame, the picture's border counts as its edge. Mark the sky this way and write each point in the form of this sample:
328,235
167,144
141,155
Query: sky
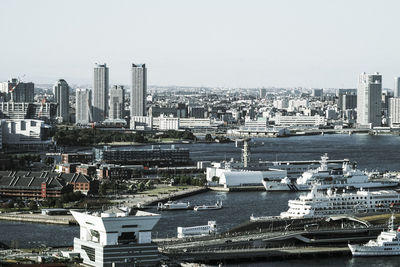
216,43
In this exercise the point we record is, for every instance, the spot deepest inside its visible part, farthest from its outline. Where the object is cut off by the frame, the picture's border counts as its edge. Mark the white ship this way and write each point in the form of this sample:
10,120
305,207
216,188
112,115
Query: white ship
346,177
217,206
201,230
320,204
387,244
173,205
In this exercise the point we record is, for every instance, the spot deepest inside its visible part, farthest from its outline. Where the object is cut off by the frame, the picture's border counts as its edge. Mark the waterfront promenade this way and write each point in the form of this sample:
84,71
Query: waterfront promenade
144,200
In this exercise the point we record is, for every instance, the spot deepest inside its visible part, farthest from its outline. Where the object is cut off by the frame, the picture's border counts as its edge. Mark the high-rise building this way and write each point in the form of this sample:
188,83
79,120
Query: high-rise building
117,102
341,92
369,99
138,90
16,91
396,89
61,95
394,112
317,92
348,102
100,93
263,92
83,106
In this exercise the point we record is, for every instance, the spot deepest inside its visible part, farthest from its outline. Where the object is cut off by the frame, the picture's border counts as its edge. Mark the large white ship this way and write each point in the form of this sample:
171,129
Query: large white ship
319,204
345,177
387,244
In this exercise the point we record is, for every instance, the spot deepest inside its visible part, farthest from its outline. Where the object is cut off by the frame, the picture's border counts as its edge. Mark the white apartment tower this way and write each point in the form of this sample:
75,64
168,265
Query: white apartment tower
396,89
100,93
83,106
61,95
138,90
369,99
117,100
394,112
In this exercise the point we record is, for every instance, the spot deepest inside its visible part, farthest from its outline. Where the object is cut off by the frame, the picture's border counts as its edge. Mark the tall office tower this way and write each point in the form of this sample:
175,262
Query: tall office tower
61,94
369,99
348,102
396,89
17,91
317,92
83,106
138,90
263,92
100,93
117,102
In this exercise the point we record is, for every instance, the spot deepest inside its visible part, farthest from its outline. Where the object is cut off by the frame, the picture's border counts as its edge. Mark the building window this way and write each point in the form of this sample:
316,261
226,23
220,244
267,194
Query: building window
23,125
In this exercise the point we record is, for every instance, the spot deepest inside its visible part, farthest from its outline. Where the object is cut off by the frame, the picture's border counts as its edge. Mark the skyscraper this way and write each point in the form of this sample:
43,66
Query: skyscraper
369,99
100,93
396,89
117,100
138,90
263,92
61,95
83,106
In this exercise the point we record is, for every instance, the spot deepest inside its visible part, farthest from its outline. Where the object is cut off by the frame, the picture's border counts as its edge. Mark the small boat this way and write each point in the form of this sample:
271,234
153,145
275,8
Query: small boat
387,243
202,230
173,205
217,206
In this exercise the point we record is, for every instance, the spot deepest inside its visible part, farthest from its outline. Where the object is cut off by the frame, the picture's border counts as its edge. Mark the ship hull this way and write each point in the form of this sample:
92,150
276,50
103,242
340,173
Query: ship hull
293,187
373,251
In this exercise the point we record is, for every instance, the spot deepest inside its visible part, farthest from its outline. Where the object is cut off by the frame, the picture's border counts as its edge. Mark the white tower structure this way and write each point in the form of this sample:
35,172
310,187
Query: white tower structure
83,101
61,94
116,238
369,99
396,89
394,112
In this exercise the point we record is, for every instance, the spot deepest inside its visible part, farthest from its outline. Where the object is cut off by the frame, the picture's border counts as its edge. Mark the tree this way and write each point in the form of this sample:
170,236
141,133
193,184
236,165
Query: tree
32,205
209,138
103,189
141,186
215,179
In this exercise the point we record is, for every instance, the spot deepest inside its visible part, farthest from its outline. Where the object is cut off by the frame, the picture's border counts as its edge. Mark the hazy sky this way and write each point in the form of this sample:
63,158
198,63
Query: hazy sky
282,43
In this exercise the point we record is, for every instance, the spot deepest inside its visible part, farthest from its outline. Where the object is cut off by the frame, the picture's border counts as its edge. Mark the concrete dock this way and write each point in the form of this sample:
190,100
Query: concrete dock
38,218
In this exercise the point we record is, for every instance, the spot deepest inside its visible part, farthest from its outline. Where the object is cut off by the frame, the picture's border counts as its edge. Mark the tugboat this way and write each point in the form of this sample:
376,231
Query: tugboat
387,243
217,206
173,205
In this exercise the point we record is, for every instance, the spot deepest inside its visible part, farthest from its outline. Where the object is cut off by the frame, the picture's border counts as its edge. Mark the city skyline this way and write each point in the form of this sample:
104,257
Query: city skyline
316,44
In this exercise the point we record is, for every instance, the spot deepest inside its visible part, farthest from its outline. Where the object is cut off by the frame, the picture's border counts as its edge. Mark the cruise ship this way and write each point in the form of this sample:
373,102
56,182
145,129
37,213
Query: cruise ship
387,243
319,204
345,177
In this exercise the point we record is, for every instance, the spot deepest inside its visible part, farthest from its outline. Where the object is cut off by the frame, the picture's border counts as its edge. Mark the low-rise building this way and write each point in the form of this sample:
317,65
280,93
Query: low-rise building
77,157
300,120
26,184
89,170
155,156
25,134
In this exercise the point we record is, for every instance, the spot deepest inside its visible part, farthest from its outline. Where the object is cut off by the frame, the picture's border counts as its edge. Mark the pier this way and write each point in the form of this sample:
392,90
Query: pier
262,241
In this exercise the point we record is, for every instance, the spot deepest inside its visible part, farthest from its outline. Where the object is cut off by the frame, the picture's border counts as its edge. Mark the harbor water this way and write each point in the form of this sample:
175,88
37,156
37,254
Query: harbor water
370,152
